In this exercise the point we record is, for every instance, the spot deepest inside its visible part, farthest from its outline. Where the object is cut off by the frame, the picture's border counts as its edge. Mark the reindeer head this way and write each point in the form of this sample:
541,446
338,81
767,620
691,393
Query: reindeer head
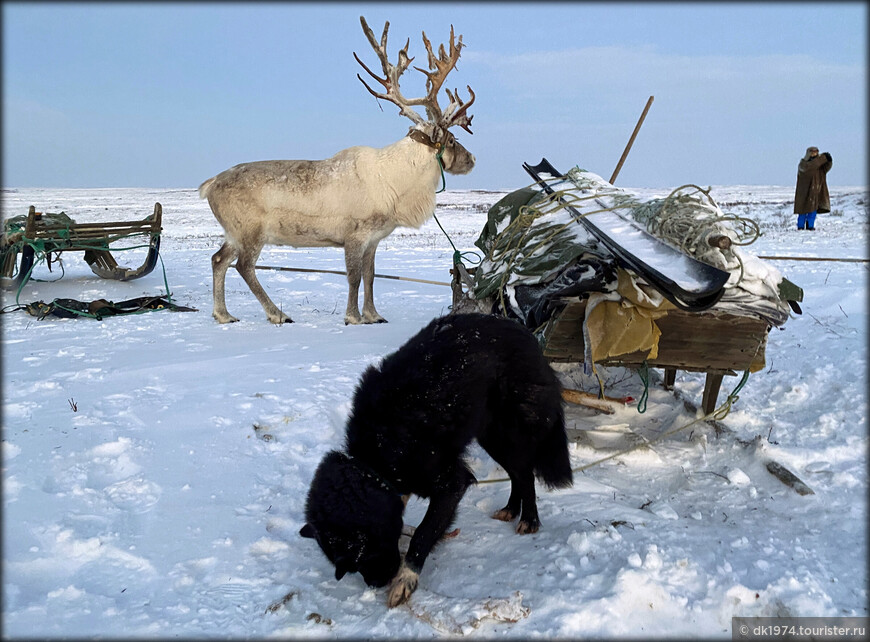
433,131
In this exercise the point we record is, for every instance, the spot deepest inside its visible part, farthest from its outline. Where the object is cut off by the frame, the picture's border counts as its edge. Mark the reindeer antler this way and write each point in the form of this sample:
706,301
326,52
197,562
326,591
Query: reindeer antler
459,116
440,66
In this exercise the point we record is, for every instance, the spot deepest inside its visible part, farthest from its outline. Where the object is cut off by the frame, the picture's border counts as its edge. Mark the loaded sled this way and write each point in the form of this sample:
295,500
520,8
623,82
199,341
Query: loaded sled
37,236
604,277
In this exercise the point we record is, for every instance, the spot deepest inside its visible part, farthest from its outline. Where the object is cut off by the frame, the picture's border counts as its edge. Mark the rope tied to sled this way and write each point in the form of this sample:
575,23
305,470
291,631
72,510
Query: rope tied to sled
688,218
509,247
70,308
718,414
59,238
473,257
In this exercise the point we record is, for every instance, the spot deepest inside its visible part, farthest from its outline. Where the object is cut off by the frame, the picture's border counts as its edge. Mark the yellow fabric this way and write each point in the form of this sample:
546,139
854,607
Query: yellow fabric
627,325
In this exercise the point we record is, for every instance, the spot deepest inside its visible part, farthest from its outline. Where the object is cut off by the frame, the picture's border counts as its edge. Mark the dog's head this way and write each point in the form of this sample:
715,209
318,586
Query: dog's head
355,518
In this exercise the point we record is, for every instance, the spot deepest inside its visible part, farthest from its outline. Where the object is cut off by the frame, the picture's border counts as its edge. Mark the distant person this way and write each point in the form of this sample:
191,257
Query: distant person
811,194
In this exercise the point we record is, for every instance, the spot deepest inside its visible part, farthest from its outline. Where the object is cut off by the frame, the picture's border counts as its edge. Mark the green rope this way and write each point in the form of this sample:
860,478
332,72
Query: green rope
80,313
441,167
723,410
42,249
720,413
472,257
643,373
41,253
165,280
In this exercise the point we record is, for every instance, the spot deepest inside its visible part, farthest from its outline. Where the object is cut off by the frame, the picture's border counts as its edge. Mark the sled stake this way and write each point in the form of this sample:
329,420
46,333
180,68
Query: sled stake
631,140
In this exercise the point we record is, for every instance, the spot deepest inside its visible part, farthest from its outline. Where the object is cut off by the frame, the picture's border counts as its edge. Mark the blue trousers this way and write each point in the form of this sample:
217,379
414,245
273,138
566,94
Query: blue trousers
806,219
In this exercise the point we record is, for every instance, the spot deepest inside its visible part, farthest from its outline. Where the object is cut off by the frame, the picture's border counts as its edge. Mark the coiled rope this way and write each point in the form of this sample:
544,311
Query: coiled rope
686,218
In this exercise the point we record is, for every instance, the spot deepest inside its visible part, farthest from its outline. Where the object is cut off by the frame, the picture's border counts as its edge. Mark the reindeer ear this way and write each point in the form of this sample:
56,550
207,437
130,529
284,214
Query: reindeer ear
308,531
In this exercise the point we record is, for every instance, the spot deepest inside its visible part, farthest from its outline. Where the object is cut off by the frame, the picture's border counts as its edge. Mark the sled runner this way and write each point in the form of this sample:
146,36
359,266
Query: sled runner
38,236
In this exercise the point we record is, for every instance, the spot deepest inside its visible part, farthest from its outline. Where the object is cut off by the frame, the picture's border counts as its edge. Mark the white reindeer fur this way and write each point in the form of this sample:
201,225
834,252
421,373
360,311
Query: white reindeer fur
352,200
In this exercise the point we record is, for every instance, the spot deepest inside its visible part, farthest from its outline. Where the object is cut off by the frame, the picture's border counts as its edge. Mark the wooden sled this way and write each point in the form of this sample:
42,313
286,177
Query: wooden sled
94,239
711,342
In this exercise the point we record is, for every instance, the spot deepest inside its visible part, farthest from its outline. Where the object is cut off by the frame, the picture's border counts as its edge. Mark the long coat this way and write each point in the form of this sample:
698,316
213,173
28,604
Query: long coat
811,193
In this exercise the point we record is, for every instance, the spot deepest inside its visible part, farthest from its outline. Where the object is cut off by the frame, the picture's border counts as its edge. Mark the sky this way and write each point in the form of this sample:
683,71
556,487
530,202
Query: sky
170,94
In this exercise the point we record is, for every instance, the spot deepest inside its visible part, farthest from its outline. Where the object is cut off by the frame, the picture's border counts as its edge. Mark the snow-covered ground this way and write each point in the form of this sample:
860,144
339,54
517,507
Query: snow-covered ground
155,466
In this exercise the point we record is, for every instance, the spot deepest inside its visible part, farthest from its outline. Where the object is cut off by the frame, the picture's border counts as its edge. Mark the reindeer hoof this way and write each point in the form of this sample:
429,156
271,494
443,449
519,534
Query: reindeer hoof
280,320
225,318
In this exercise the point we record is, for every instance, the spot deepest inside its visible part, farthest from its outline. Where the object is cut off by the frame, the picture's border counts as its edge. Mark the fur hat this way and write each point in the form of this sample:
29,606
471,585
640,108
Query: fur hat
810,150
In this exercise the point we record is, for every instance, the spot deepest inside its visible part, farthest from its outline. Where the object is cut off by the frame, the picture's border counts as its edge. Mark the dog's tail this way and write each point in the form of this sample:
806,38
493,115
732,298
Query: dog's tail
552,463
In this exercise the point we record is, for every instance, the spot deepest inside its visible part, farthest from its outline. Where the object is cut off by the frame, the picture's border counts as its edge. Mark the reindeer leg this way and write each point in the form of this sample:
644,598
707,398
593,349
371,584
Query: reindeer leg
370,315
245,264
220,263
353,261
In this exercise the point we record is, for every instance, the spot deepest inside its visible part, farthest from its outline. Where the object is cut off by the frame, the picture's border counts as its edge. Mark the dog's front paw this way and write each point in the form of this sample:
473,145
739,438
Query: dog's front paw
402,586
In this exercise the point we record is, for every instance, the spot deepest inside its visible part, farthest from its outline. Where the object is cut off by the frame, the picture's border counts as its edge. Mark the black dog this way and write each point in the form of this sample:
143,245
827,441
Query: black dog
461,378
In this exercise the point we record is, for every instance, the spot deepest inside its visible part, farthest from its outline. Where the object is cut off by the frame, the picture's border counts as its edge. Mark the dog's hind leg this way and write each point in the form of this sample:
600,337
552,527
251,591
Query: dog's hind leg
439,516
521,502
519,468
529,520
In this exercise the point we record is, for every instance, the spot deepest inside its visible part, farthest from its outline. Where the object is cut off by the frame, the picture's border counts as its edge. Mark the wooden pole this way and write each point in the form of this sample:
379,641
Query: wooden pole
812,258
631,140
341,273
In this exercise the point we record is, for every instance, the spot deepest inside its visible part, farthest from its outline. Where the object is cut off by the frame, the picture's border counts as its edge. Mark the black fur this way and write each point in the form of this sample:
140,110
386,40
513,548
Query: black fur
461,378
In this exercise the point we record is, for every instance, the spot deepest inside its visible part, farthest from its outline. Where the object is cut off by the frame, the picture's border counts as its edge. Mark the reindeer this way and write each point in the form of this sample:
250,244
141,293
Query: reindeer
352,200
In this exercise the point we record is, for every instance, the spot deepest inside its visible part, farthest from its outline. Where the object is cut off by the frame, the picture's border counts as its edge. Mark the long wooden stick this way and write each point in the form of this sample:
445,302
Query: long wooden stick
339,272
812,258
581,398
631,140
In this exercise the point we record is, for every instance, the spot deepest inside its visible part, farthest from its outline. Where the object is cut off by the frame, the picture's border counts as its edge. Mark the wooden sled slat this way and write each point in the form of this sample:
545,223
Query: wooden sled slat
714,343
